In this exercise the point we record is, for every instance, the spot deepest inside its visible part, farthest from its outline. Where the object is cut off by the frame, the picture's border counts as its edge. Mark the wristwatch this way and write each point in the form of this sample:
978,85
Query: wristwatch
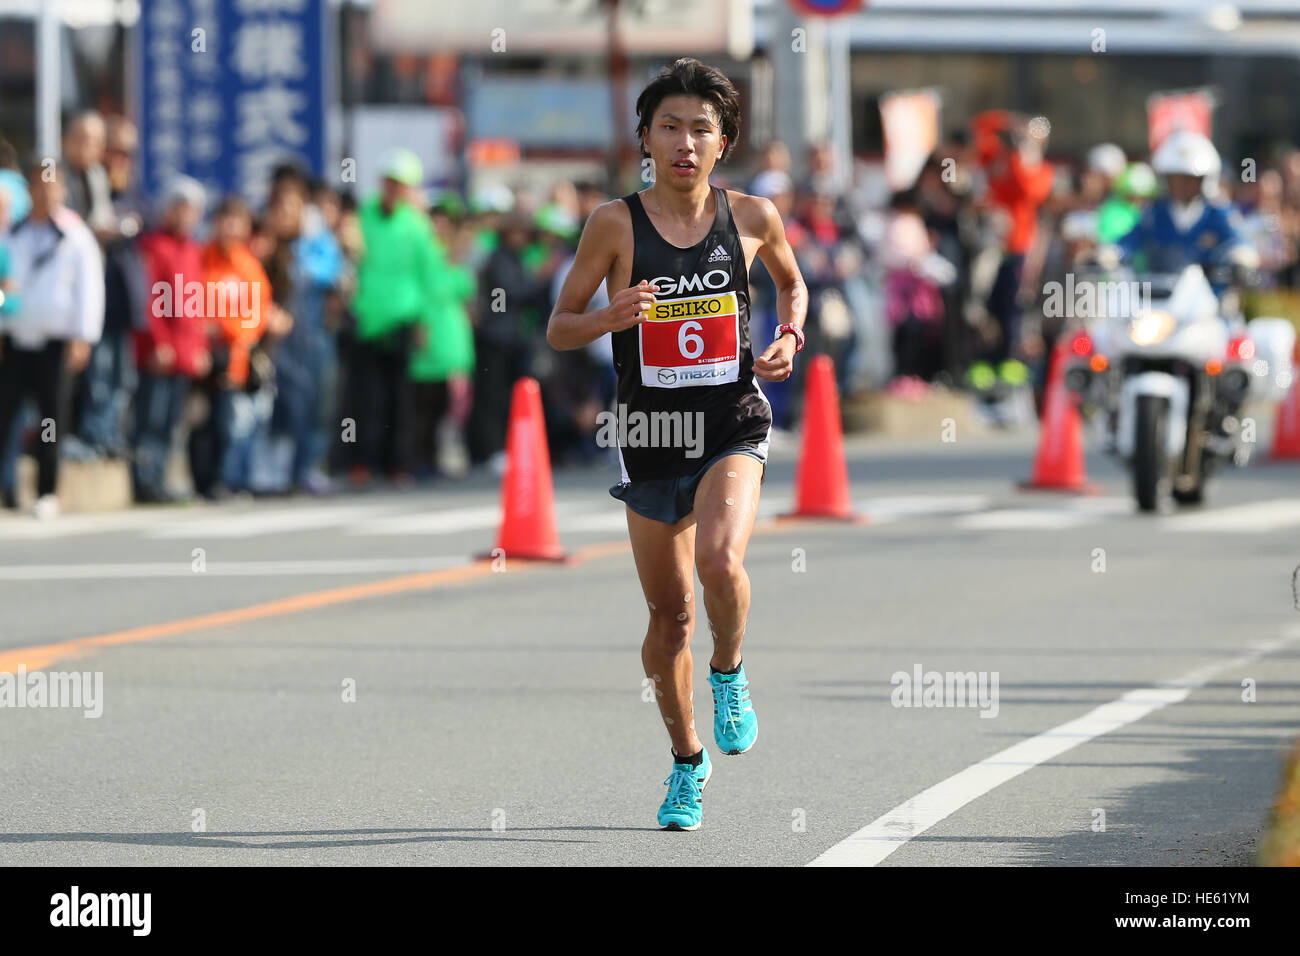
796,331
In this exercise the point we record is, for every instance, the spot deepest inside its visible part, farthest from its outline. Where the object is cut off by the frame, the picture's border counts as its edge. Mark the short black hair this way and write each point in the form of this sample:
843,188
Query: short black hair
233,205
289,175
688,76
288,170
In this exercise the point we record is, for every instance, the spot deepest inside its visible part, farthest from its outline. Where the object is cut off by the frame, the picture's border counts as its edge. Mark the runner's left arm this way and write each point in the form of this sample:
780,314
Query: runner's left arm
777,362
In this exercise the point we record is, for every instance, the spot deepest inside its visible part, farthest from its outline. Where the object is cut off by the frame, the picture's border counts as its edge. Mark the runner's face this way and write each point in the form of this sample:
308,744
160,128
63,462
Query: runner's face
684,140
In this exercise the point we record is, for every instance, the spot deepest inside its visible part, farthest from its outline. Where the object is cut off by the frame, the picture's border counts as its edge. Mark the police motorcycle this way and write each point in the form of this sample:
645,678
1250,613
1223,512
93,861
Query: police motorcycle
1164,364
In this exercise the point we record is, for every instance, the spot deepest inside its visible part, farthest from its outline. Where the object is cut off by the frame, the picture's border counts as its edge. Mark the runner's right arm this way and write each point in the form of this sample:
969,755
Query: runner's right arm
571,326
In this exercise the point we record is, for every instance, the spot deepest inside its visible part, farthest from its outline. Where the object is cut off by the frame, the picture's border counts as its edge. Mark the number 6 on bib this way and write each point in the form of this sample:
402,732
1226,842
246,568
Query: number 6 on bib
688,342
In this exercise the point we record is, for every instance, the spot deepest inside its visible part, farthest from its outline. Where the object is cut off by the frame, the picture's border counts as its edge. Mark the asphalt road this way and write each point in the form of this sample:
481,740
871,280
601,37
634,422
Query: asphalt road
410,711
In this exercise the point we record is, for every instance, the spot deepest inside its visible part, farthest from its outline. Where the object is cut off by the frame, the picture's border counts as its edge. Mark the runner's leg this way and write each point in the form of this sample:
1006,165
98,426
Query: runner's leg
726,504
664,555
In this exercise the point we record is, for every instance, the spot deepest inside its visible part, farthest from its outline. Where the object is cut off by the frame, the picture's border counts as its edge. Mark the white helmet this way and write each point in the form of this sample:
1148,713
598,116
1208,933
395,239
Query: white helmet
1188,153
1108,159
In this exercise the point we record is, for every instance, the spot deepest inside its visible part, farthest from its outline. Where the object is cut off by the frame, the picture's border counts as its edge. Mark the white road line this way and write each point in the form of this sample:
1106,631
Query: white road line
446,521
1023,519
257,522
878,839
1069,513
452,520
597,521
1255,517
892,508
25,527
1101,504
208,522
215,568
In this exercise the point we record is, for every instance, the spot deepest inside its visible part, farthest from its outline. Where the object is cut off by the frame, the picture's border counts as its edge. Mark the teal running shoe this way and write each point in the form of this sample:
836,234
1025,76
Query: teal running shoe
735,725
683,808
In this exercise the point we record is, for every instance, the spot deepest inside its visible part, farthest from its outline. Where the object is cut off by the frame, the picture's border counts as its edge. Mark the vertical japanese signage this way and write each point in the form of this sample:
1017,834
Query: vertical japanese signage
228,89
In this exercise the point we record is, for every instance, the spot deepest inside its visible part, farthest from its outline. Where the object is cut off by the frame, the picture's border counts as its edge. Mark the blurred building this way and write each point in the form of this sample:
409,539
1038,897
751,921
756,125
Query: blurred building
526,92
1089,65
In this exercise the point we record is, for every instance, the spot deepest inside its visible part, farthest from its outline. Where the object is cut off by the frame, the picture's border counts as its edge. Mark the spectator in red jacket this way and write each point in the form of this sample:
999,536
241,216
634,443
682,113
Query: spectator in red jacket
173,349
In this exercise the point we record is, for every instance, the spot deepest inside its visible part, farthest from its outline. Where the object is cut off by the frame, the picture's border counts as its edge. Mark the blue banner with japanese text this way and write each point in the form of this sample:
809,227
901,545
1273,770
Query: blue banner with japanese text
228,89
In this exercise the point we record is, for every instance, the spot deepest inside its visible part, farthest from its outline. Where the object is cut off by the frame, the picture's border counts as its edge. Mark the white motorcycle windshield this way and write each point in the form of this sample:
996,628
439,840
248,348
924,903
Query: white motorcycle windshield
1192,296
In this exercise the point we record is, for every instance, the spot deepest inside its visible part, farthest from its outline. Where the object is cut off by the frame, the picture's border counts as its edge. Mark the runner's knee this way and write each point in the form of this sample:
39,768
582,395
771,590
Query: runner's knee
671,624
670,637
719,566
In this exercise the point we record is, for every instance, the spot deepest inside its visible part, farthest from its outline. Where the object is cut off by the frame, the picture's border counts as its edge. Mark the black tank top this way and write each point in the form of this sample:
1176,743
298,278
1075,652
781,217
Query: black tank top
691,358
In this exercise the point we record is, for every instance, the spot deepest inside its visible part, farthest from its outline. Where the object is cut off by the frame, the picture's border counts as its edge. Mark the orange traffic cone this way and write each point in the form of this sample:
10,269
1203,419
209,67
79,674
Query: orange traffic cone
821,480
1058,466
527,497
1286,430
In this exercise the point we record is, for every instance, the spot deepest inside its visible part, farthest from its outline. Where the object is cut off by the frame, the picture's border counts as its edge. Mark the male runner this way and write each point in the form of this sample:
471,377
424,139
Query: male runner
676,259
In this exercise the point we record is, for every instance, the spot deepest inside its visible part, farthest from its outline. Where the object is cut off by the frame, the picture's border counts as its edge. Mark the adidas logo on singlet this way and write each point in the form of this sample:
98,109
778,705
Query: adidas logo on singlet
720,255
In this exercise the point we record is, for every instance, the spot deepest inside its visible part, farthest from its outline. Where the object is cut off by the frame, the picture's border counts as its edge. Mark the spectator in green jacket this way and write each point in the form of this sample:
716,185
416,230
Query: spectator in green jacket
1122,209
396,289
442,362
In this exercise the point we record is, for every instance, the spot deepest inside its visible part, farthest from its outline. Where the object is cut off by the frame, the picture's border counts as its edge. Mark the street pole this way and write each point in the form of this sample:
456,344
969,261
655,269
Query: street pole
798,66
841,104
48,125
618,93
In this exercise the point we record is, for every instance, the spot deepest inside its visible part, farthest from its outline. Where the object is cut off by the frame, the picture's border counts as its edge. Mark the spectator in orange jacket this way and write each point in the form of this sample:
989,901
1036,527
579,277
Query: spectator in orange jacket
228,261
239,300
1010,149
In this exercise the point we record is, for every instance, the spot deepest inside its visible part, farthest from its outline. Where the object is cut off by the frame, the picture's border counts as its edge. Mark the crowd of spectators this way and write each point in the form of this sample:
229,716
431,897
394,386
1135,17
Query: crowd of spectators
323,340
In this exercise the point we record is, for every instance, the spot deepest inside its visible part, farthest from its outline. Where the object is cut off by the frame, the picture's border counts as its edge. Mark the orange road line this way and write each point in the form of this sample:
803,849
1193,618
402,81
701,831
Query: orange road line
43,655
35,658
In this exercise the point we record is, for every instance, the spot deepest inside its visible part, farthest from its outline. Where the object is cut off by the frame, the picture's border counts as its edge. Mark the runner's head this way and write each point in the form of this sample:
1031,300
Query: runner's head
688,119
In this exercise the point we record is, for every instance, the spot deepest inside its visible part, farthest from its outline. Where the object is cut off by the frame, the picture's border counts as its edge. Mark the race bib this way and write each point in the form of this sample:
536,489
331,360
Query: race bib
695,341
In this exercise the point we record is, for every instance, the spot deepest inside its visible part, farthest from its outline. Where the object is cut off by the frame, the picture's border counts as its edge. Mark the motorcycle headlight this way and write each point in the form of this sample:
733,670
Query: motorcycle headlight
1151,327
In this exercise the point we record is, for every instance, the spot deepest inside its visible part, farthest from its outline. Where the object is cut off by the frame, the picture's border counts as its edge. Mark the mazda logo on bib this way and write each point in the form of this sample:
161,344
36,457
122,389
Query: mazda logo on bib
667,376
